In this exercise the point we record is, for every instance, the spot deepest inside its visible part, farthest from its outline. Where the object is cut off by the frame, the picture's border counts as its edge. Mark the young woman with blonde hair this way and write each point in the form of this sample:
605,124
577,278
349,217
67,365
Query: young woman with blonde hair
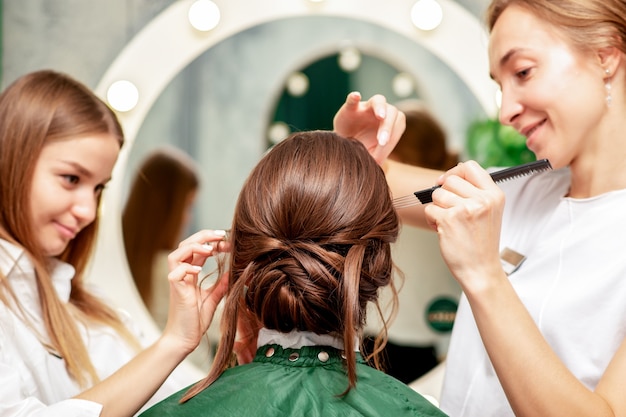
546,336
63,349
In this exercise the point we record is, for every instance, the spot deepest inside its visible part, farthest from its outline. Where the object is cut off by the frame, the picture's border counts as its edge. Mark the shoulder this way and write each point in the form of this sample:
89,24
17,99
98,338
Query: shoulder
389,396
536,194
550,183
261,389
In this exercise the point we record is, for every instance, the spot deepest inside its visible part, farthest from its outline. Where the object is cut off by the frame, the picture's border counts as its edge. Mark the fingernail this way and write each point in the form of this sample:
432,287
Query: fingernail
196,267
219,232
208,246
381,113
383,138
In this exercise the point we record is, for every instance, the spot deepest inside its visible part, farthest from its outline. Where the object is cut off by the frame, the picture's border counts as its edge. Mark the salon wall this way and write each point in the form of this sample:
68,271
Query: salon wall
79,37
82,38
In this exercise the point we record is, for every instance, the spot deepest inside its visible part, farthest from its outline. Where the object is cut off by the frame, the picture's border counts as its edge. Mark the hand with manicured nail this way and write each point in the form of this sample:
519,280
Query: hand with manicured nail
375,123
191,307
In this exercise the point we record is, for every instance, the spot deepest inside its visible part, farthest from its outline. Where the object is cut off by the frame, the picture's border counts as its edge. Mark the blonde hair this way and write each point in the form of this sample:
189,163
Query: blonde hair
36,109
589,24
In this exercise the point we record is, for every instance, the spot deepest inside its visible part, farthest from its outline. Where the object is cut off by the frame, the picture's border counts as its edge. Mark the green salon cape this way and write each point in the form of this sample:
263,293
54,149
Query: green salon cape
299,382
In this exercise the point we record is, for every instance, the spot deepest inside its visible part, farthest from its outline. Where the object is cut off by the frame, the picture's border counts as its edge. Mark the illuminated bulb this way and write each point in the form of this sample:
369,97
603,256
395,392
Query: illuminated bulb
278,131
297,84
403,85
204,15
349,59
122,95
426,14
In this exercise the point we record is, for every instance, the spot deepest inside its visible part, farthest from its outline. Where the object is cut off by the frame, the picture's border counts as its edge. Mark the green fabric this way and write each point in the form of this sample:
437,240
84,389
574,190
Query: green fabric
275,386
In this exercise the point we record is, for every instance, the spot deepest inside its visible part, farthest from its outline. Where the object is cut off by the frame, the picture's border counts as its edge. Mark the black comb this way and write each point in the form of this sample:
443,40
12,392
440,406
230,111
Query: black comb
426,196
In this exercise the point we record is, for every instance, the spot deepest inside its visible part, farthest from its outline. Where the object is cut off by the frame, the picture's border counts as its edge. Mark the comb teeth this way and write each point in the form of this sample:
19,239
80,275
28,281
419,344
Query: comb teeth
406,201
426,196
521,170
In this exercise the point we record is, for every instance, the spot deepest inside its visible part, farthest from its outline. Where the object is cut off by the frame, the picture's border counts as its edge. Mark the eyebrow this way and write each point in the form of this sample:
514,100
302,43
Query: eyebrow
82,170
506,58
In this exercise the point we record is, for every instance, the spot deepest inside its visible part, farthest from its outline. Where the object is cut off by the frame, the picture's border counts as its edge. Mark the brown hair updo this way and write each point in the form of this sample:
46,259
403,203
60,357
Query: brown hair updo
311,241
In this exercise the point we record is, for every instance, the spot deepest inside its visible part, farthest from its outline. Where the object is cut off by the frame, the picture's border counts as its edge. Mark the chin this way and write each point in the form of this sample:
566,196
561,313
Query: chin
54,251
541,155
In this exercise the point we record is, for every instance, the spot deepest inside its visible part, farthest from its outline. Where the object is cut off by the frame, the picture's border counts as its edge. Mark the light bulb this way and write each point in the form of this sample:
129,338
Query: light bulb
204,15
426,14
123,95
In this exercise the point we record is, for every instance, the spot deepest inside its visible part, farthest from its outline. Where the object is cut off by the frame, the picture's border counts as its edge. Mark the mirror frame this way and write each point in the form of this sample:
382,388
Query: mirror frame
169,43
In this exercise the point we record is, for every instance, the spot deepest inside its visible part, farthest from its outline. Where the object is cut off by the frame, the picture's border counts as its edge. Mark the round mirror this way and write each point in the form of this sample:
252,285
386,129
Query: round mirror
214,94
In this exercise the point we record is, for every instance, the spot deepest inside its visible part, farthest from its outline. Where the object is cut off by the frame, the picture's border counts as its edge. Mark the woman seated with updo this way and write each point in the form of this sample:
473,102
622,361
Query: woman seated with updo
310,244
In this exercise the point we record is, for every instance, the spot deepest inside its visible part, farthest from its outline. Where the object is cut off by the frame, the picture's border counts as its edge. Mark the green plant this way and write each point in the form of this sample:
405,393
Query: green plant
492,144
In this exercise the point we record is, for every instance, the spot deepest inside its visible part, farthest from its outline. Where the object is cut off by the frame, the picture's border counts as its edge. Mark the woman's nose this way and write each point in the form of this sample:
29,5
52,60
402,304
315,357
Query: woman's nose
85,207
510,107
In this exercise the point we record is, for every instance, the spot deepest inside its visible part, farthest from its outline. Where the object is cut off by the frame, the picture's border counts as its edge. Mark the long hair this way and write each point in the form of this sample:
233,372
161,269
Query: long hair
589,24
39,108
311,239
159,195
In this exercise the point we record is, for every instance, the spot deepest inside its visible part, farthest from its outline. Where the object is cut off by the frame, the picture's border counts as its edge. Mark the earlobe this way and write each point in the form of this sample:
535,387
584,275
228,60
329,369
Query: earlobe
610,59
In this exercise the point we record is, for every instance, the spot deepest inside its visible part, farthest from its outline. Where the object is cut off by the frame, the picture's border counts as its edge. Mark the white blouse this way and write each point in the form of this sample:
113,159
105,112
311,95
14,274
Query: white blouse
34,381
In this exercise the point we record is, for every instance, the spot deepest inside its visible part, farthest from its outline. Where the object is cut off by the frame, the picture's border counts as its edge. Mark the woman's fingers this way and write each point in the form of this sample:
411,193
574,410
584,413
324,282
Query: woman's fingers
198,247
184,273
466,213
375,123
466,180
204,236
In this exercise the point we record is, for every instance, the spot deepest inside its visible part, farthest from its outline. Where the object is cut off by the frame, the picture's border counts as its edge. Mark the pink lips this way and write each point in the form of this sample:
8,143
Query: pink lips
529,130
67,232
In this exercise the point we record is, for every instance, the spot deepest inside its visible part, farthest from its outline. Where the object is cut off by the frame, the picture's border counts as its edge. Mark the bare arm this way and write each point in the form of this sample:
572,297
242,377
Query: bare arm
190,313
534,379
379,126
467,213
404,180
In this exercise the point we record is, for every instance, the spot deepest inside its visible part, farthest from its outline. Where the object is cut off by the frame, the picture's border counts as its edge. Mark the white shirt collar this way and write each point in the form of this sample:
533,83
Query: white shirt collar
19,270
296,339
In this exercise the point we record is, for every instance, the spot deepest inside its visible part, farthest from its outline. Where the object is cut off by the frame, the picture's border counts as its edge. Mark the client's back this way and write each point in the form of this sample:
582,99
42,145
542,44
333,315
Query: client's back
310,242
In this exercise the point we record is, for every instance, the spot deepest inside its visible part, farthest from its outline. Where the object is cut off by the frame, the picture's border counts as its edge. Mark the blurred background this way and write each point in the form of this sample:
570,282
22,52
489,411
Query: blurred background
253,87
222,81
258,84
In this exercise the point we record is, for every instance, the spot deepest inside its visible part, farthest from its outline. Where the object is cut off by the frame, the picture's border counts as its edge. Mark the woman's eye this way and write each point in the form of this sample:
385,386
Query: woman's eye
71,179
523,73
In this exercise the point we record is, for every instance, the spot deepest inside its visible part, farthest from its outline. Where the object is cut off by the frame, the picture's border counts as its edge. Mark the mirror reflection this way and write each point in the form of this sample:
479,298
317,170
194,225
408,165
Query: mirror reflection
251,89
155,218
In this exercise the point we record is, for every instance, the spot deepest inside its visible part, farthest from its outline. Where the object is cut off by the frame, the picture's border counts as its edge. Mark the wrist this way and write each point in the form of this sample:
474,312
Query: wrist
481,284
174,346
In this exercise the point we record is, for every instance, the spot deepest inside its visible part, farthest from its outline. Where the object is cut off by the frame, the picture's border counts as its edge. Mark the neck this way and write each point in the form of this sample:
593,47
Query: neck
600,164
601,168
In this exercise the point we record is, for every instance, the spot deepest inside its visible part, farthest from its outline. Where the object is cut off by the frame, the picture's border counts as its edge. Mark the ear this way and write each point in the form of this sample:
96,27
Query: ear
610,58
